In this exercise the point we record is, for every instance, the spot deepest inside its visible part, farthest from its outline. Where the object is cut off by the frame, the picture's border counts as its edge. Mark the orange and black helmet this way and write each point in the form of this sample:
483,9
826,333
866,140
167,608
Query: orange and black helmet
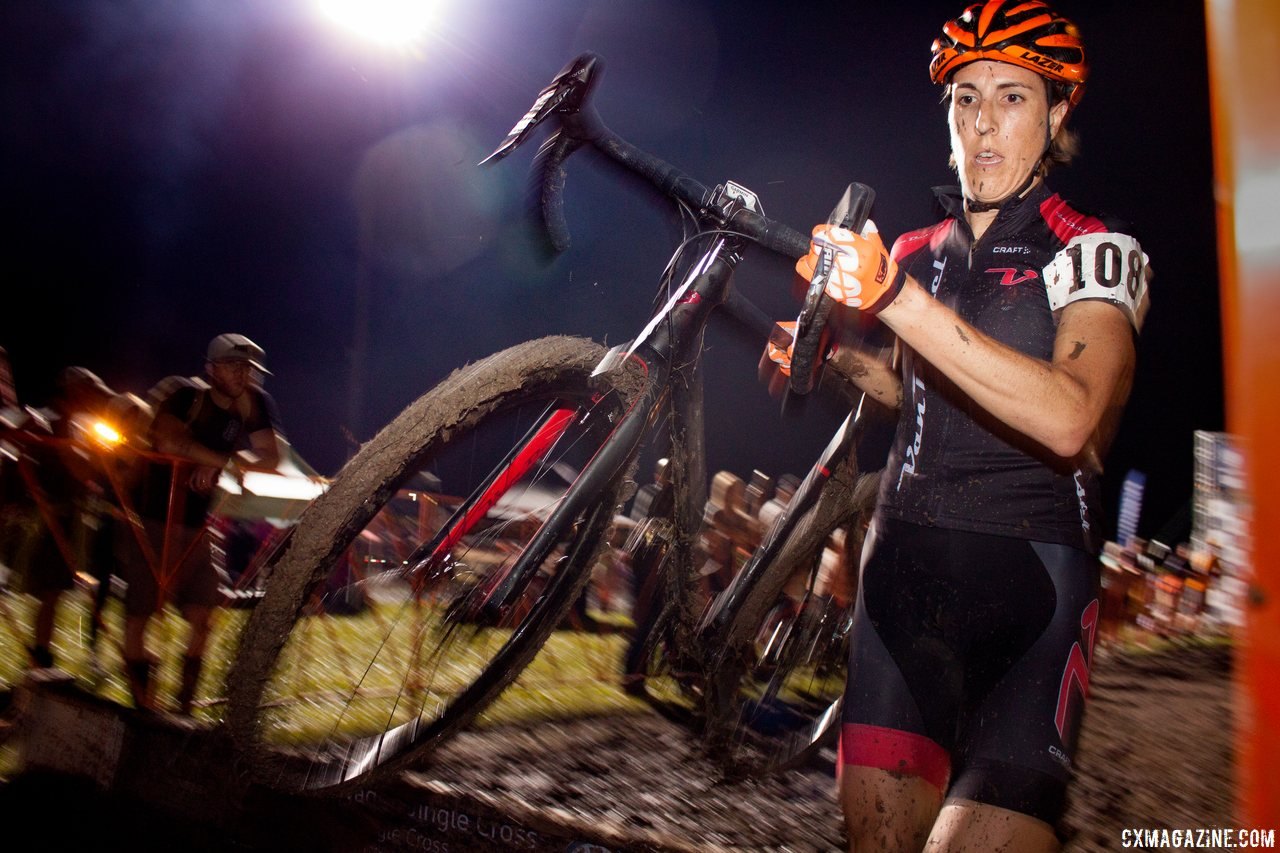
1020,32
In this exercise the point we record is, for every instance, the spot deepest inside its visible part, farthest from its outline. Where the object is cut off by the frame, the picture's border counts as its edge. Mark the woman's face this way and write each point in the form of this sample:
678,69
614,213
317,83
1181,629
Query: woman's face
1000,126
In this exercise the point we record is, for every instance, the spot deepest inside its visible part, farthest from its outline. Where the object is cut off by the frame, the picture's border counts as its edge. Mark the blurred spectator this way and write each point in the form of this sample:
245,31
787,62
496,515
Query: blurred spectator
57,476
784,490
8,392
726,513
130,416
653,499
612,571
1168,590
647,546
203,429
759,489
1118,574
837,573
1176,562
715,559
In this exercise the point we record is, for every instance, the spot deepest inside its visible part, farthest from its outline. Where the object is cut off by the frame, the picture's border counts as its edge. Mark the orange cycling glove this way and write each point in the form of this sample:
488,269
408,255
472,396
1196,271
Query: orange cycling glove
782,340
862,273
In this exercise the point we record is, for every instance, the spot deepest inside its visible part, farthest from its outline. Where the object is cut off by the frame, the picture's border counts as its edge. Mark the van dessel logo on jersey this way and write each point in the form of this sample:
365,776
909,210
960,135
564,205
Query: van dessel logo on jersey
1010,276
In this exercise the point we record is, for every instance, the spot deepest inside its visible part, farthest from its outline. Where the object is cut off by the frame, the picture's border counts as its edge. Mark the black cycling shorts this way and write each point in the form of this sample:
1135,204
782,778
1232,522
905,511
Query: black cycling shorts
970,662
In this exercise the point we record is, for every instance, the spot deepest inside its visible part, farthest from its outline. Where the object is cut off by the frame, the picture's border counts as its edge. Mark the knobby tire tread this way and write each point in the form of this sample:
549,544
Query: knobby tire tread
329,522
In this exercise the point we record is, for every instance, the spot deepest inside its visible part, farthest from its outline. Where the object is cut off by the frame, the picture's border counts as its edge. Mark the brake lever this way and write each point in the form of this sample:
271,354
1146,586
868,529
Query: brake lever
566,92
850,212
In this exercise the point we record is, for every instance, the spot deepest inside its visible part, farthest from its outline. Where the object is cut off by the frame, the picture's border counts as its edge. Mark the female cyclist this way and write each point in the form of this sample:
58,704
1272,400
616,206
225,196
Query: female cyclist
1016,318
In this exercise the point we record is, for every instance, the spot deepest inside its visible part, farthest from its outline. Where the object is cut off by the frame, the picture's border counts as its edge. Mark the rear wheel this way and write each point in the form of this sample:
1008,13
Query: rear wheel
441,524
776,690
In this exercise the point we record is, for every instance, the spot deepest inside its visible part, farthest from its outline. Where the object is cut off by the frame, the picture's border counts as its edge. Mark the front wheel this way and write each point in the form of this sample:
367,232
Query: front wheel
441,521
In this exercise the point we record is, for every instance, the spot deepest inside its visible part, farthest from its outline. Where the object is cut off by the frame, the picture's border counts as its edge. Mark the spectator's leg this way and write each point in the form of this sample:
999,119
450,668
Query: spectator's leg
42,640
198,617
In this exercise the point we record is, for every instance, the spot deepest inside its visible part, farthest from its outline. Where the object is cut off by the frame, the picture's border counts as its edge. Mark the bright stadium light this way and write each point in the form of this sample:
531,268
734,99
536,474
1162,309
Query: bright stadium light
388,22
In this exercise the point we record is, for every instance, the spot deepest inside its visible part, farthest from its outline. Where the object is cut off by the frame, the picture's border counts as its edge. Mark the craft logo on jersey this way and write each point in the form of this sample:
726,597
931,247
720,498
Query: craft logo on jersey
1009,276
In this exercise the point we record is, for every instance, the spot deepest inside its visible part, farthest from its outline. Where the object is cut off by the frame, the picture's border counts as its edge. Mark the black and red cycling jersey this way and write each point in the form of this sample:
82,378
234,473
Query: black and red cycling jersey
952,464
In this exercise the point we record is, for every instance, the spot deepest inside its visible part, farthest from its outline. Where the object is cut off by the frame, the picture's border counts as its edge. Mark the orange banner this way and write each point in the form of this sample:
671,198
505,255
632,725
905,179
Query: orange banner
1244,74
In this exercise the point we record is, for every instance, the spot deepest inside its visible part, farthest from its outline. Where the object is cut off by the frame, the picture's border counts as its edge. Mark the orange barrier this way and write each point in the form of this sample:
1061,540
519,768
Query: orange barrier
1244,79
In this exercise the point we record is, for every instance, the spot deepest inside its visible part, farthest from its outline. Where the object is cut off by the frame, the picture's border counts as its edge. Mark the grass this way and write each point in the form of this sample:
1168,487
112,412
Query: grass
576,674
1135,641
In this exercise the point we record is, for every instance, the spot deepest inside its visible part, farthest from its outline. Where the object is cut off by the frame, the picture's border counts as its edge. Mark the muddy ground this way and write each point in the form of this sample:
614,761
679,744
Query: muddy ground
1156,752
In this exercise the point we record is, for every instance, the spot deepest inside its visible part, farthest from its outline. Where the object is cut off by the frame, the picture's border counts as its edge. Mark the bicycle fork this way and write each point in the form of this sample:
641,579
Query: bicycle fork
433,558
840,448
674,329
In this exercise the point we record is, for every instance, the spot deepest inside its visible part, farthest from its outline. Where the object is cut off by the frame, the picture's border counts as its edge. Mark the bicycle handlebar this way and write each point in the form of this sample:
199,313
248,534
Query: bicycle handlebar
568,98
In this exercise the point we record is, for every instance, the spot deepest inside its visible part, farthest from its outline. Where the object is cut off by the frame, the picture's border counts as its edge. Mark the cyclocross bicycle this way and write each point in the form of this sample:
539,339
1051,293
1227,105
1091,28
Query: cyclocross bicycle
487,500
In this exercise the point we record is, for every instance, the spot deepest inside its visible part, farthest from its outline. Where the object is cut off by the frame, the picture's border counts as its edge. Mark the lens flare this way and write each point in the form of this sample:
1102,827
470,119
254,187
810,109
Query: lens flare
388,22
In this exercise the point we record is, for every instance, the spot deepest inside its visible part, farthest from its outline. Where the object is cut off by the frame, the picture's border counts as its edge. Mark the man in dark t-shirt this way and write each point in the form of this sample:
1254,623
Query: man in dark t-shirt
200,430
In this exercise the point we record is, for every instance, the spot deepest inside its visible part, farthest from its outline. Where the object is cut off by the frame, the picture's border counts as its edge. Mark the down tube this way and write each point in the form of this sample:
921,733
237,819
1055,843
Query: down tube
591,482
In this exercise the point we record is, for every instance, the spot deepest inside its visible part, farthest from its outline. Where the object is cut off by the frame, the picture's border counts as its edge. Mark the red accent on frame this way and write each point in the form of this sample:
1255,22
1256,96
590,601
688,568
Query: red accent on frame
548,434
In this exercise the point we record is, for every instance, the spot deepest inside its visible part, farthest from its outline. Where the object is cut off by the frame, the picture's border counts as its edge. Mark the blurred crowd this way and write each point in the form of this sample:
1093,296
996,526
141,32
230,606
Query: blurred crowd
115,491
1150,590
736,517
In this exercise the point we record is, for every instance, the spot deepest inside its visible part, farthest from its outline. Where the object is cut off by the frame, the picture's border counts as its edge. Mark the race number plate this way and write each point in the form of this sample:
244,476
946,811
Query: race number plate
1106,266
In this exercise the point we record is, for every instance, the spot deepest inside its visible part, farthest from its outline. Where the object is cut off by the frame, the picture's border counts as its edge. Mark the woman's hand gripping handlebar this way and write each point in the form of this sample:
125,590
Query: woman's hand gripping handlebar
818,266
847,263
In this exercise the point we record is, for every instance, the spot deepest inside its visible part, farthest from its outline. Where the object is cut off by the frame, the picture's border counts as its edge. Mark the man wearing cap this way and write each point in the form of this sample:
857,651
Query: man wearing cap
201,428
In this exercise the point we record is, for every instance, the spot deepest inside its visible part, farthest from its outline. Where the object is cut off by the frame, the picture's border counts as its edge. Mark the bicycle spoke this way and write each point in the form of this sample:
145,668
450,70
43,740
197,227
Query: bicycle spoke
457,576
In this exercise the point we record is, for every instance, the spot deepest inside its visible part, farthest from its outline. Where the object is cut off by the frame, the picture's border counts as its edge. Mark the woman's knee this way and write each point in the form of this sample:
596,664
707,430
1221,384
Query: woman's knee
969,825
885,810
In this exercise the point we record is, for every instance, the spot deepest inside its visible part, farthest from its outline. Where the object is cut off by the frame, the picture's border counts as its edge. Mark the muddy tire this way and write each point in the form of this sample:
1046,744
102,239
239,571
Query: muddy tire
312,707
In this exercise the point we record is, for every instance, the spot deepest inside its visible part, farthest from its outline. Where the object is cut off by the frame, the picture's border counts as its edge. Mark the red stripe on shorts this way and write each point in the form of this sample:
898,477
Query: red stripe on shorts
895,751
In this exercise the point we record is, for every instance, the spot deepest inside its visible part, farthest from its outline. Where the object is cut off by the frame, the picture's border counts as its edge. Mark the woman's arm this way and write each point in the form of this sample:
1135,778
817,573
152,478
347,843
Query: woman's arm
1068,404
872,371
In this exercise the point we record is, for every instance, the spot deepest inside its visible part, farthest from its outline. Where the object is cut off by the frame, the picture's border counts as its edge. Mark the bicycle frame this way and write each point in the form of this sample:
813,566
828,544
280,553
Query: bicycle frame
619,400
672,337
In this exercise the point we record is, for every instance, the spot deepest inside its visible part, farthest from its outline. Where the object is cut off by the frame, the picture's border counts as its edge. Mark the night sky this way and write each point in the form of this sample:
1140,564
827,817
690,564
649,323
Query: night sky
172,171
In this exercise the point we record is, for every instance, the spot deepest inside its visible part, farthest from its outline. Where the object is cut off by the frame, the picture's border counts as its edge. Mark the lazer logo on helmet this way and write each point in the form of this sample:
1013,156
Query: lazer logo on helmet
1042,61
